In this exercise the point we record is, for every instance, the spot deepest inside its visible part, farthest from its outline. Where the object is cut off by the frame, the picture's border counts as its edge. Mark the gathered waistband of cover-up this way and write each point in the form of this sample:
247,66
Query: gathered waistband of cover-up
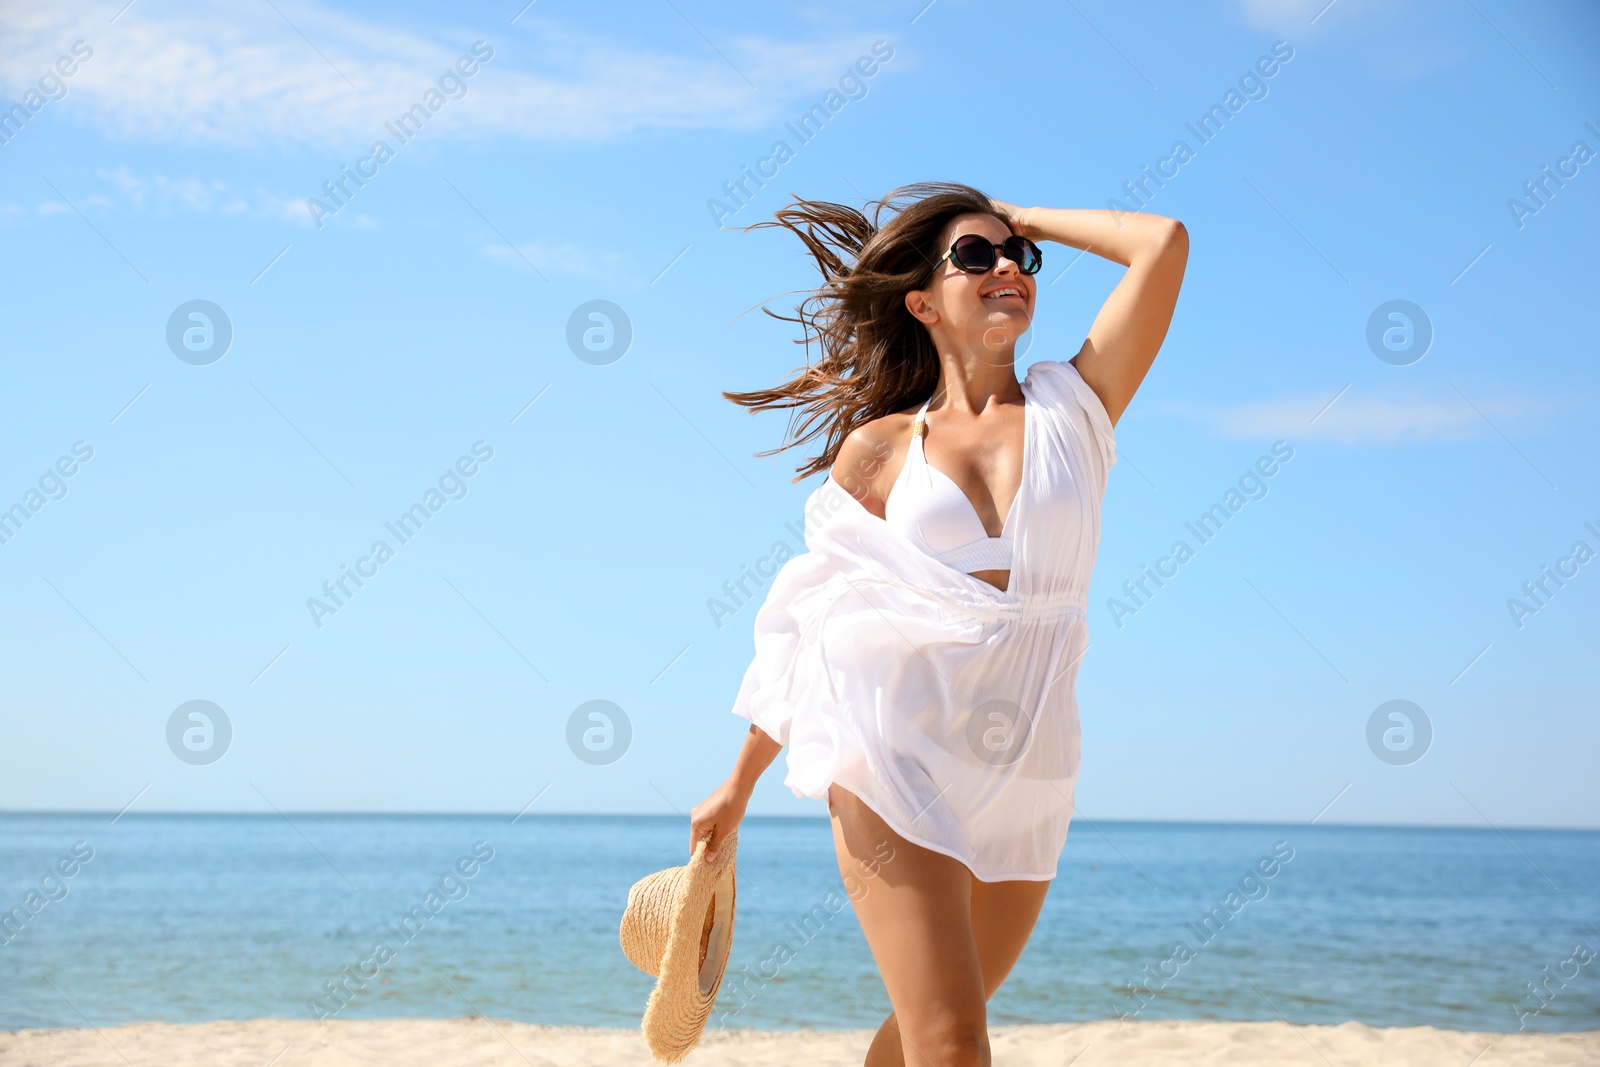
1036,607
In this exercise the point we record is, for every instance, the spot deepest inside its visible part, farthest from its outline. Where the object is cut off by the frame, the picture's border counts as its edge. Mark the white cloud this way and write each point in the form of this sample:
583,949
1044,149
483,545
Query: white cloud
242,74
160,194
160,191
1273,14
1293,17
1397,40
296,211
1366,417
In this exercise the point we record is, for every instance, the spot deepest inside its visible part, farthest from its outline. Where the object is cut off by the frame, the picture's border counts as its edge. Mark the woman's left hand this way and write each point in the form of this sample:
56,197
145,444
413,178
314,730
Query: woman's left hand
717,817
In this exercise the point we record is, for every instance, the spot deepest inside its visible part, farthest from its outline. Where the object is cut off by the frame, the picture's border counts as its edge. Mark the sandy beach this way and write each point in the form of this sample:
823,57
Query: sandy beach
490,1043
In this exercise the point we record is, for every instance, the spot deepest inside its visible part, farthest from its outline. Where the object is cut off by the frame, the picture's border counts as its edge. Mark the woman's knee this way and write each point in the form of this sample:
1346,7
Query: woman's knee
946,1039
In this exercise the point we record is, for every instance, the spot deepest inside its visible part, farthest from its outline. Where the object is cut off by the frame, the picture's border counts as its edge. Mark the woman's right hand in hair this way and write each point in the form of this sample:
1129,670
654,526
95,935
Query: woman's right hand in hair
718,815
1013,215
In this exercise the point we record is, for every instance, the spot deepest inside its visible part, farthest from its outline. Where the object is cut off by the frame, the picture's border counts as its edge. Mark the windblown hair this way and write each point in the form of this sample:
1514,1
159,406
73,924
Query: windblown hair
876,357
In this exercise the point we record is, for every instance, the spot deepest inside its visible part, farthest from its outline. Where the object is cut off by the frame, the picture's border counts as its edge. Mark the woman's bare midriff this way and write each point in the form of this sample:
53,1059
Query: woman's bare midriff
998,579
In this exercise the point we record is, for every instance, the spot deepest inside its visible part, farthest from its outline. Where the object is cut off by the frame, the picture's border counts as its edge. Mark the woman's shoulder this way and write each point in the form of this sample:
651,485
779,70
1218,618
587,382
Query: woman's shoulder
872,435
870,457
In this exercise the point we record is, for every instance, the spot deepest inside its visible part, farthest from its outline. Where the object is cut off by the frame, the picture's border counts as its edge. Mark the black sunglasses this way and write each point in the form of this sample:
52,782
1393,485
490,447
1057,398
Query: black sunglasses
976,255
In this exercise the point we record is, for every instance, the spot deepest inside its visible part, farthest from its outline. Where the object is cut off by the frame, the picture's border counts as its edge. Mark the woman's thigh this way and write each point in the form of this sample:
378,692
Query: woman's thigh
1003,917
915,908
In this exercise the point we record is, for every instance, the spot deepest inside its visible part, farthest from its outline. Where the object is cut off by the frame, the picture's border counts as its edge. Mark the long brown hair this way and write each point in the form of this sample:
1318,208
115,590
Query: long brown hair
876,357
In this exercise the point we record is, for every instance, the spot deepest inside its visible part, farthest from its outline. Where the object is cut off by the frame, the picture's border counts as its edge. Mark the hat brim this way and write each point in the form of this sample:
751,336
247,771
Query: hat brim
686,989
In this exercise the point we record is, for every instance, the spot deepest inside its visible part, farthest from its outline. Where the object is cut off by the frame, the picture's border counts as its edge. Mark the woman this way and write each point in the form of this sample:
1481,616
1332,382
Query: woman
919,659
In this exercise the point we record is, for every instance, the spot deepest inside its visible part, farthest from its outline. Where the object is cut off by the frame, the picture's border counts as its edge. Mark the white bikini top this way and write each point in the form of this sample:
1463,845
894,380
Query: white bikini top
928,507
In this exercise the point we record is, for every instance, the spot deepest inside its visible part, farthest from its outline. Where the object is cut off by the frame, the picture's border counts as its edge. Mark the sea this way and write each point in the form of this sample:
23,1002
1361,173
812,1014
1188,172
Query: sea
186,918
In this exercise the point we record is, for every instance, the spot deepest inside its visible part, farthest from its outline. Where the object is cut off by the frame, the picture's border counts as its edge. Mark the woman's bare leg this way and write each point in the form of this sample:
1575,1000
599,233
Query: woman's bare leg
1003,917
915,907
999,917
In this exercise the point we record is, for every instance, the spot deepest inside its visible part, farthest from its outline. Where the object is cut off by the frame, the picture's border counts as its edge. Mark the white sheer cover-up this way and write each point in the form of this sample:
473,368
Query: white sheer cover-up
946,704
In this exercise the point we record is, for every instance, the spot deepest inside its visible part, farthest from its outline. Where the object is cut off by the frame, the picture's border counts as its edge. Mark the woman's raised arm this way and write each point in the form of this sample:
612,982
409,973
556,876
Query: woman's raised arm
1127,334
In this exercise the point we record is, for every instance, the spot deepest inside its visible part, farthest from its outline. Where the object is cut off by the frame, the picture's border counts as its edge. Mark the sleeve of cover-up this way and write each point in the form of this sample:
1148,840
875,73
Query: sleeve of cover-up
775,679
1083,407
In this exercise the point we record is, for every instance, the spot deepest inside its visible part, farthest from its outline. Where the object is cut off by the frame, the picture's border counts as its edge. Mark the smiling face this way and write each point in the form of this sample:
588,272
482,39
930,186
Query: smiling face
983,314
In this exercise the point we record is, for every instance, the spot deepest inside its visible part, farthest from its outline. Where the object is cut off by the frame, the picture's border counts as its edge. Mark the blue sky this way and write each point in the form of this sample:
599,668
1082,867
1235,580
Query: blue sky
374,346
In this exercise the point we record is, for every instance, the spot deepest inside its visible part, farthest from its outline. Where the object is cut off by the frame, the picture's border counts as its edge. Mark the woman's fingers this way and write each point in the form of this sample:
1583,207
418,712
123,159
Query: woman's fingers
700,830
716,818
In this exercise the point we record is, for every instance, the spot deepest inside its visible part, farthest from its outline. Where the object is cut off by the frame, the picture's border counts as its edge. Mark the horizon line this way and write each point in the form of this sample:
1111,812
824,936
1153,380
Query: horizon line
515,817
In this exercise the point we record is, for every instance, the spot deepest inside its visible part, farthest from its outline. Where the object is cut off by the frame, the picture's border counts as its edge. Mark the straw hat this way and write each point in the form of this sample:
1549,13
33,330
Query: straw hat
678,926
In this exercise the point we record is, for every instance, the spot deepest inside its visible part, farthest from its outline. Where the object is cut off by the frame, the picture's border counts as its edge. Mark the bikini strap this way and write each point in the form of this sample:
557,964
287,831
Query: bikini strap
919,425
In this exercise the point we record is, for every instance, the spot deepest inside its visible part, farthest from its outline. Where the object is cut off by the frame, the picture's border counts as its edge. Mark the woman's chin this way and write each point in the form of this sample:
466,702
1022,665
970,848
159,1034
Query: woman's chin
1017,316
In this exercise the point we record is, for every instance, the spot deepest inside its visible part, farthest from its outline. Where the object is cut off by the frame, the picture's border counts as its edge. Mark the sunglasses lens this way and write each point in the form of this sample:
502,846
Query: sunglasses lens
973,253
1024,253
